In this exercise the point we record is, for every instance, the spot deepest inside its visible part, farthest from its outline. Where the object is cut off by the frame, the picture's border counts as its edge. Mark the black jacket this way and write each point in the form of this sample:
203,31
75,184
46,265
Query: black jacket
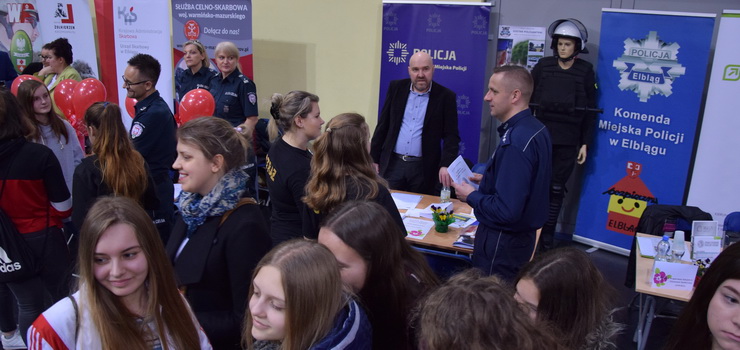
557,91
88,185
440,124
215,267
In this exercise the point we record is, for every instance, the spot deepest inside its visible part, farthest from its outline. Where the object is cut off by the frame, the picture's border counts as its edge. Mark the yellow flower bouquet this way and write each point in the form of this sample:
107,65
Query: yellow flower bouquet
442,219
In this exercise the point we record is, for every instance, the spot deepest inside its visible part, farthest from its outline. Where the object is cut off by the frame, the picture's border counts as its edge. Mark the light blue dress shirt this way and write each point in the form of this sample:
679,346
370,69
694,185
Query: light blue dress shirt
409,137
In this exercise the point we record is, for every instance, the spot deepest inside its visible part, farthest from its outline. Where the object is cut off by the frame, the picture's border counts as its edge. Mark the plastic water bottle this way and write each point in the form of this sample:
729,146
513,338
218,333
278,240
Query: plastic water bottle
444,195
663,250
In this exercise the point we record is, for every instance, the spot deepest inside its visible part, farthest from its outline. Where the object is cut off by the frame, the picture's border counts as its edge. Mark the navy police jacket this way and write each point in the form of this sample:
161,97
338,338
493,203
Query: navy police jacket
186,81
514,193
153,135
236,97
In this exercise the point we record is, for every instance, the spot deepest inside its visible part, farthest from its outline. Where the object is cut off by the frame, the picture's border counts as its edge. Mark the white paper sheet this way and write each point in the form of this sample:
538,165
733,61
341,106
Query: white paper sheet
668,275
459,172
707,247
405,201
417,228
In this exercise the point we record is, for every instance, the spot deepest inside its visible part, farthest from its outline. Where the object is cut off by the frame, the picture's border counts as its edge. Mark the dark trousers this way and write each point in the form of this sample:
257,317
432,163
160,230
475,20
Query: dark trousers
406,175
32,299
563,163
502,253
8,311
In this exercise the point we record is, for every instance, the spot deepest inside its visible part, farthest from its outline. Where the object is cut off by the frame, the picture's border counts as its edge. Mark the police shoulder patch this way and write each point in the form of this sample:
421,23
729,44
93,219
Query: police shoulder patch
252,98
137,130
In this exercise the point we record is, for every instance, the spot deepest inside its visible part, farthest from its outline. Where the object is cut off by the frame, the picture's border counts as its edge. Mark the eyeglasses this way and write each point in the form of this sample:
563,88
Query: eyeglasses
127,83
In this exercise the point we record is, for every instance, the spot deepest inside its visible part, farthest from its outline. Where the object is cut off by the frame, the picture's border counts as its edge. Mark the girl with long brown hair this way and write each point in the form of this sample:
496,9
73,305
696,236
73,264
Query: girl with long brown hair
127,297
114,168
388,275
35,198
297,302
50,129
711,319
565,290
342,170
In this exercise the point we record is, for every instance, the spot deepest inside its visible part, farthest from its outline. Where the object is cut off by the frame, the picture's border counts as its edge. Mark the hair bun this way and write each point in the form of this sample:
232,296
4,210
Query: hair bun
275,111
277,101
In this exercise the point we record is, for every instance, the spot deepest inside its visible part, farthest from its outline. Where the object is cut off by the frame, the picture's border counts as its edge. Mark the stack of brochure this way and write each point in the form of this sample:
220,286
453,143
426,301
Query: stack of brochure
467,237
463,220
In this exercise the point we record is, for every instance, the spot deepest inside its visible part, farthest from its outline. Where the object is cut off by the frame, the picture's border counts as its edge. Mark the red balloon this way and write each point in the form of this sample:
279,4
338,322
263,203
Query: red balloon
63,94
72,120
21,78
80,130
80,127
196,103
130,103
87,92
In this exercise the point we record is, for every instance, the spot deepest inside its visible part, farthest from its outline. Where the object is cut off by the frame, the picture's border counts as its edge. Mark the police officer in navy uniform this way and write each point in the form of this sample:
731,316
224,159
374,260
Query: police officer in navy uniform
235,94
564,86
153,133
197,75
511,202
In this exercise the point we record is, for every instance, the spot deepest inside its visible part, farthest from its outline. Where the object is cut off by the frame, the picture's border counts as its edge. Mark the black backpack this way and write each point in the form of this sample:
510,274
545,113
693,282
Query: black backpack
17,261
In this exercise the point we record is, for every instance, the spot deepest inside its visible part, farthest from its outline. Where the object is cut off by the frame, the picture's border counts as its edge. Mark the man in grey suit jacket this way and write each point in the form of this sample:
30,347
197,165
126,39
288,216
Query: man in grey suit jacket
416,137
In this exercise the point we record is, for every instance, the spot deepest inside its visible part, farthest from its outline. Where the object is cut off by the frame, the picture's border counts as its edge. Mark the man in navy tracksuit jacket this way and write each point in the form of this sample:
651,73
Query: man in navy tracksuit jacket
512,200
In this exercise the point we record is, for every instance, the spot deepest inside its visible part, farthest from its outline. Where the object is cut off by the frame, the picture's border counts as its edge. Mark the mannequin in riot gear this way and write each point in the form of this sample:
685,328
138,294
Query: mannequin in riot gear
564,86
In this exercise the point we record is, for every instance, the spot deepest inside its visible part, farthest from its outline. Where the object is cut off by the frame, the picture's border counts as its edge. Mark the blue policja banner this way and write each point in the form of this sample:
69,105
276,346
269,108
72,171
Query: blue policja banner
651,72
456,36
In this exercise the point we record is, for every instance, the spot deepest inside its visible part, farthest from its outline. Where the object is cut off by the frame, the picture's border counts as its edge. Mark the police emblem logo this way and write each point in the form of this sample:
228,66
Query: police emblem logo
397,52
252,98
649,66
137,130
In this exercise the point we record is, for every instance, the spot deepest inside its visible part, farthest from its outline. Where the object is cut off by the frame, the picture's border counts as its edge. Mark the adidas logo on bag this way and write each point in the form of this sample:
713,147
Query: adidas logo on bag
7,265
